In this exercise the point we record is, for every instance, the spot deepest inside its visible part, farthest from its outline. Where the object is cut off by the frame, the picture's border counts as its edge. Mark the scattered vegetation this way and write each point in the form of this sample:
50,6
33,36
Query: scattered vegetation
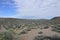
46,27
7,35
13,24
47,37
2,36
28,29
40,32
23,32
56,28
39,38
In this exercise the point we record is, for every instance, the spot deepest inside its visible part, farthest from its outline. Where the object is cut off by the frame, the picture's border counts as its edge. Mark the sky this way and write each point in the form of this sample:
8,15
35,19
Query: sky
30,9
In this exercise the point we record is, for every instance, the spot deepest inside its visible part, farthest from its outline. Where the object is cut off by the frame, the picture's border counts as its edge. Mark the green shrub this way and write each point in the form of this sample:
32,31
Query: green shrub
29,29
56,28
54,37
2,36
40,32
46,27
39,38
23,32
8,35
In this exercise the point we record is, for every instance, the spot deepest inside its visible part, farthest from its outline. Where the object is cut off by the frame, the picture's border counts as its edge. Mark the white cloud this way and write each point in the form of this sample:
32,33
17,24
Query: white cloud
38,8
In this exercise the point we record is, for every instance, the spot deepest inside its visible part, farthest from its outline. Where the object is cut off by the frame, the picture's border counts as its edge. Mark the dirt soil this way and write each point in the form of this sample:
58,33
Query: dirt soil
34,32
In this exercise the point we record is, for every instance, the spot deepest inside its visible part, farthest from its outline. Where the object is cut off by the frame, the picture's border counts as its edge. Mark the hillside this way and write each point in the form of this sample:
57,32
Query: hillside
55,20
15,22
29,29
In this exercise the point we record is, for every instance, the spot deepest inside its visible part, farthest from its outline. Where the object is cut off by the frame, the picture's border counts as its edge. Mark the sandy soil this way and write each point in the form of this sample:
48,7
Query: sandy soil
34,32
30,36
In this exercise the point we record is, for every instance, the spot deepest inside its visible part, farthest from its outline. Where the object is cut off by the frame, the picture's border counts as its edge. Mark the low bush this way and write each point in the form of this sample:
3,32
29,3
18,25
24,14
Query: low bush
47,38
2,36
56,28
40,32
28,29
7,35
39,38
23,32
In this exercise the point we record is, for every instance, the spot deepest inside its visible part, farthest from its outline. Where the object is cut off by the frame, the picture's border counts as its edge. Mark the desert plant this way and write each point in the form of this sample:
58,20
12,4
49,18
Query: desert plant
2,36
39,38
8,35
40,32
29,29
23,32
46,27
56,28
54,37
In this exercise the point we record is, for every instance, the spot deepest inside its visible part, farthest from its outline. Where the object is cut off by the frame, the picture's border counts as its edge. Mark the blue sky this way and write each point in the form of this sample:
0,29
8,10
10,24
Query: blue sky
30,9
7,8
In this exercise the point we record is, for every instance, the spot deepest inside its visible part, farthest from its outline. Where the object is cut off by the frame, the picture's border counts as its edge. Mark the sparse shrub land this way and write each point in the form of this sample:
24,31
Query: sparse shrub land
12,28
55,37
2,36
56,28
7,35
